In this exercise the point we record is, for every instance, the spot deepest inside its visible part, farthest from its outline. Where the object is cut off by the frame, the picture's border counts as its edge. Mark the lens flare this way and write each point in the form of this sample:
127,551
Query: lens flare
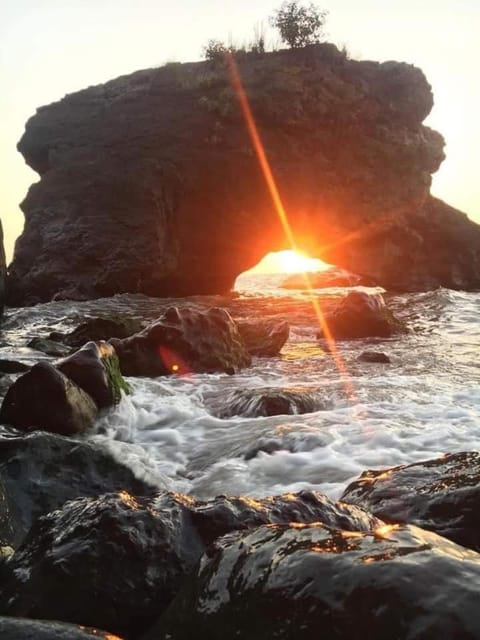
282,214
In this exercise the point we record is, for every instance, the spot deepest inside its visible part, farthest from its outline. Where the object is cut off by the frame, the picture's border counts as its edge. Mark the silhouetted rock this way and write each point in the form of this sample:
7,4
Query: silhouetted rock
322,279
13,366
374,356
362,315
95,369
44,398
184,341
153,182
117,561
95,329
22,629
49,347
252,403
41,471
263,337
294,582
3,273
441,495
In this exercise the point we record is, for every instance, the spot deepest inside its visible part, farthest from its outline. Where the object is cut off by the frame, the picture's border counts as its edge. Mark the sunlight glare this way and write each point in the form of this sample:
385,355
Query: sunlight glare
288,261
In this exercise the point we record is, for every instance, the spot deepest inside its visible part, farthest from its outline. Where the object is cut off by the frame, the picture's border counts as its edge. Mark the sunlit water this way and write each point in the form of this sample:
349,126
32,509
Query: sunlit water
427,402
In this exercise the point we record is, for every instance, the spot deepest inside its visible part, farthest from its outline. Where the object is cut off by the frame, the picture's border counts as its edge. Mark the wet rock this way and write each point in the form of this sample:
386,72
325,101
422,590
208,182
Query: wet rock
323,279
117,561
362,315
95,369
184,341
22,629
374,356
95,329
13,366
44,398
49,347
441,495
41,471
3,273
264,337
253,403
300,582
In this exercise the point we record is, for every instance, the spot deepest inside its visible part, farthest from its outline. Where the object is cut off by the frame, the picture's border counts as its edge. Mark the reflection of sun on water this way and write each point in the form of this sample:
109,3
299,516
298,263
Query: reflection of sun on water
288,262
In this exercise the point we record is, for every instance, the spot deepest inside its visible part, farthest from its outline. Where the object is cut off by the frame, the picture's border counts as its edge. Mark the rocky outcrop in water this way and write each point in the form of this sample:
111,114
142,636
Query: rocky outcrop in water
182,341
252,403
41,471
263,337
149,183
304,582
117,561
441,495
21,629
3,272
362,315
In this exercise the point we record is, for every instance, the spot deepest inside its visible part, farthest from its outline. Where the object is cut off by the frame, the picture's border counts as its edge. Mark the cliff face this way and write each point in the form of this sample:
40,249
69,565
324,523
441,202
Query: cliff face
3,272
150,184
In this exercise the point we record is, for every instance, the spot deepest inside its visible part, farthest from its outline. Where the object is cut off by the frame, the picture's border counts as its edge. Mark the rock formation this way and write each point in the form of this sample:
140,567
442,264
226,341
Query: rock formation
149,183
3,272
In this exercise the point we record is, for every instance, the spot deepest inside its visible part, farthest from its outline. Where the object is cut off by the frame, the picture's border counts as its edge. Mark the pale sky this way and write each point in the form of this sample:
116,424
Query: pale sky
52,47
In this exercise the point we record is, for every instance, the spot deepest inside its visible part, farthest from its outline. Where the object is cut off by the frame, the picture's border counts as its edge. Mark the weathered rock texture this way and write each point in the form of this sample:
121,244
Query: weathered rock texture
3,272
149,183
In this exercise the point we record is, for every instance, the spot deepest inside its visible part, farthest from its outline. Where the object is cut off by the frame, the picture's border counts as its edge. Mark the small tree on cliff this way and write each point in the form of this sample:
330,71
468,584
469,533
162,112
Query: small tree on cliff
299,25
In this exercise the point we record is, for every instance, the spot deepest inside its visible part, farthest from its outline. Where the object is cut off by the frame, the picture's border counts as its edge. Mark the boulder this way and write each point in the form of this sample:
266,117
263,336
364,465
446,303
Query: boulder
302,582
44,398
39,472
13,366
22,629
253,403
117,561
263,337
3,273
184,341
362,315
95,329
441,495
374,356
149,183
95,369
49,347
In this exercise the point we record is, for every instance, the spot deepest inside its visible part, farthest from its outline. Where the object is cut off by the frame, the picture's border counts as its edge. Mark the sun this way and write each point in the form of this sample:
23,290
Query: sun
288,262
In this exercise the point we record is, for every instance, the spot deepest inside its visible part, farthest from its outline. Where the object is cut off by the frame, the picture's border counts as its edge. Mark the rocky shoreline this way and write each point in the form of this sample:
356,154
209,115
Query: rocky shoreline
85,542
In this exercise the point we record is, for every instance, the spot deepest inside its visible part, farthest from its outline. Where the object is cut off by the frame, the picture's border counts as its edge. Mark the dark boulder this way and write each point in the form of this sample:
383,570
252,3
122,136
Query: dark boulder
362,315
263,337
44,398
3,273
253,403
49,347
39,472
184,341
374,356
13,366
302,582
22,629
442,495
117,561
95,329
95,369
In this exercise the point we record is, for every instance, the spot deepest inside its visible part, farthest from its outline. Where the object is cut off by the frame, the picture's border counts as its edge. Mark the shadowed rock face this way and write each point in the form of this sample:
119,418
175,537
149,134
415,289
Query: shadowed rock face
149,183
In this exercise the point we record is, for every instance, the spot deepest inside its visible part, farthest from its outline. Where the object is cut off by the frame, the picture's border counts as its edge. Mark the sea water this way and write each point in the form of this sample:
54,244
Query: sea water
368,416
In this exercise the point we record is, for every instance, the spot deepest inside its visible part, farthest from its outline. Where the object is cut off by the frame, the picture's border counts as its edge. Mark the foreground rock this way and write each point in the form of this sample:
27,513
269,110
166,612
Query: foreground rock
49,347
264,337
362,315
95,329
293,582
41,471
44,398
152,179
441,495
95,369
117,561
184,341
22,629
253,403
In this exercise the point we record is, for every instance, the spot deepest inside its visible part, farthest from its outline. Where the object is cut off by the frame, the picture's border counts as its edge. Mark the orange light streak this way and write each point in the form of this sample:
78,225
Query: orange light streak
282,214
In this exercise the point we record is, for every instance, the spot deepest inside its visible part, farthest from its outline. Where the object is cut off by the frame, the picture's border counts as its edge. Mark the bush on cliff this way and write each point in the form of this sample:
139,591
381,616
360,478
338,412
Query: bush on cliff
299,25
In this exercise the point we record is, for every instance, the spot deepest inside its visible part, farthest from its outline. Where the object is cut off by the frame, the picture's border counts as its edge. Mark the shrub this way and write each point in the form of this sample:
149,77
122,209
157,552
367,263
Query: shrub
299,25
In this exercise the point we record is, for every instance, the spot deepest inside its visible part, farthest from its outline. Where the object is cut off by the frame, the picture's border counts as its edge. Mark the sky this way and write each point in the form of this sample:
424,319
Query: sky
52,47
